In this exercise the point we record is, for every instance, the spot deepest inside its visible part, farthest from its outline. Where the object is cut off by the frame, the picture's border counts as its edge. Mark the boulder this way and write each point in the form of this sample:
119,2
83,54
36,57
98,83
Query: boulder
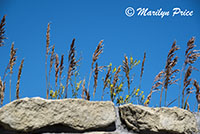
76,115
163,120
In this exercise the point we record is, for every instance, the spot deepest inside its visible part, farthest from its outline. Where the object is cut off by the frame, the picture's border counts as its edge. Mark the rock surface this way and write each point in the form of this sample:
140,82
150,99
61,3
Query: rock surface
158,120
30,114
68,116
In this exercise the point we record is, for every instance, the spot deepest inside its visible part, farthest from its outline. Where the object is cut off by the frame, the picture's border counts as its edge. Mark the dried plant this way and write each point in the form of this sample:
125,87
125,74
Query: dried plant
83,89
115,79
146,103
195,83
18,79
61,67
12,58
106,80
191,55
11,63
97,52
186,83
2,30
170,74
72,65
96,71
95,56
56,66
142,69
126,69
1,85
46,56
2,90
156,83
87,95
52,58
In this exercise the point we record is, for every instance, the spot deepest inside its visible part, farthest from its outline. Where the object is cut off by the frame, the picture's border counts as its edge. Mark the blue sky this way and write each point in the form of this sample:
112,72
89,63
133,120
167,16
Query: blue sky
89,22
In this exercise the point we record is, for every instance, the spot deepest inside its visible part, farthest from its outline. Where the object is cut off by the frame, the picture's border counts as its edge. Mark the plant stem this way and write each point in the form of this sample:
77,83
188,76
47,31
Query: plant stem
89,79
161,94
10,86
46,78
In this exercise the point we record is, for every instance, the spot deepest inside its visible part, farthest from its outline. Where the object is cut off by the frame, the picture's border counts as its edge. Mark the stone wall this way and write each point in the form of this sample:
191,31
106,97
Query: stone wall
37,115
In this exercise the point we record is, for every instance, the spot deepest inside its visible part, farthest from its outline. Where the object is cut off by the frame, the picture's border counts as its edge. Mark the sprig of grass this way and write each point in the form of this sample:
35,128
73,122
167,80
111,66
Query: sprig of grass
95,56
72,65
46,56
56,66
18,79
84,91
61,67
142,69
156,83
52,58
170,74
106,80
187,82
191,56
113,85
195,83
11,64
2,90
126,69
96,72
2,30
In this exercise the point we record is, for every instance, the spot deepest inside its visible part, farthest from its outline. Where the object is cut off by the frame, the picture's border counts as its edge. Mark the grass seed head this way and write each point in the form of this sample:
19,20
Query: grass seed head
2,30
18,79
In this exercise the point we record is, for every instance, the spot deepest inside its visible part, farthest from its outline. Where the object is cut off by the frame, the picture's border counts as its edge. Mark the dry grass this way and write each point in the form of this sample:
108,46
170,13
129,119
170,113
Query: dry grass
170,74
56,66
105,82
142,69
96,72
197,93
191,56
18,79
97,52
61,67
186,83
46,56
12,58
84,91
2,30
95,56
115,79
72,65
126,69
156,83
52,58
166,77
2,90
11,64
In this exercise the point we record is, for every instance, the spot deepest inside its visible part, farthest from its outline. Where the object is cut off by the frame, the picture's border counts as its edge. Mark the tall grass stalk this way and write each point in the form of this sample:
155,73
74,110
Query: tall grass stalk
46,56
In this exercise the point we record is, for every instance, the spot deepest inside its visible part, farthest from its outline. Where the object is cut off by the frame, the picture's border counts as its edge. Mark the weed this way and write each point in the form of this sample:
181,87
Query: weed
18,79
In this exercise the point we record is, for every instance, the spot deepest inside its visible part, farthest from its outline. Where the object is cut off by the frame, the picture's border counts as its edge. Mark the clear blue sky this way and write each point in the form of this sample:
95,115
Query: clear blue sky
89,22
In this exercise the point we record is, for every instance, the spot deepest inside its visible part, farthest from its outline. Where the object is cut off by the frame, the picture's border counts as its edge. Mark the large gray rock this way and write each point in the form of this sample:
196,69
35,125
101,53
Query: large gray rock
158,120
30,114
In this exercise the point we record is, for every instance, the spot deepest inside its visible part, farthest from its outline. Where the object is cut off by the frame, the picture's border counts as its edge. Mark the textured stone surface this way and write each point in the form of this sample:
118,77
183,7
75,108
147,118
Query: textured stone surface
197,115
30,114
158,120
